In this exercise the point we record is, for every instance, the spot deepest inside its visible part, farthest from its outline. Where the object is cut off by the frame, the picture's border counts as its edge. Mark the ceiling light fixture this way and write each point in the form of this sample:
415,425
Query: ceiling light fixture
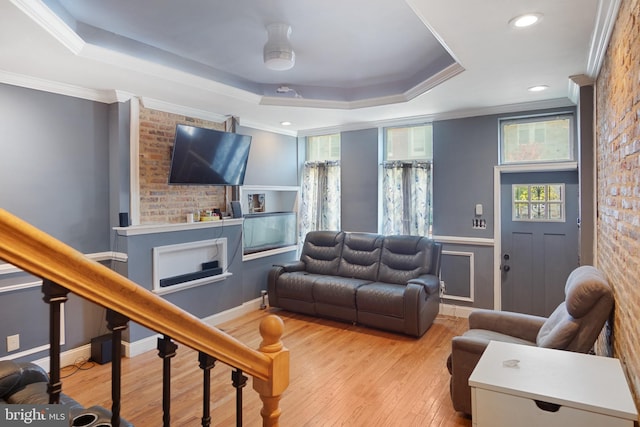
538,88
526,20
285,123
278,53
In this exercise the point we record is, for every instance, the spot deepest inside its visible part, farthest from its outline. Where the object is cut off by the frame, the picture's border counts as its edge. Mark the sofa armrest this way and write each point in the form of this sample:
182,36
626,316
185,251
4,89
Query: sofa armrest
32,373
524,326
15,376
292,266
465,354
430,283
10,373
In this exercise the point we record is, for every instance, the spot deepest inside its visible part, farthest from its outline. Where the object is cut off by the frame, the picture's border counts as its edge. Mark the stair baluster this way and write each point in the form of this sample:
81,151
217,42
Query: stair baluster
54,295
116,323
166,350
239,381
206,364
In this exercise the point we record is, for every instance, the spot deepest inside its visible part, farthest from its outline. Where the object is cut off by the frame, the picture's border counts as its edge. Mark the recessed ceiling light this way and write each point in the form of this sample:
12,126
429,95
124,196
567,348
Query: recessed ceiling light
285,123
538,88
526,20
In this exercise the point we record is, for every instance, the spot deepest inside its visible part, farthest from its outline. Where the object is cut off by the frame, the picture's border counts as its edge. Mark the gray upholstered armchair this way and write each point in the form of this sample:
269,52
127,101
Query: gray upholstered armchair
574,326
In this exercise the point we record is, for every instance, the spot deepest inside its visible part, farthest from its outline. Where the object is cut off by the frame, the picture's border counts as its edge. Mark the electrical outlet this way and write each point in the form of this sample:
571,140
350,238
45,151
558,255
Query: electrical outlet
443,288
13,342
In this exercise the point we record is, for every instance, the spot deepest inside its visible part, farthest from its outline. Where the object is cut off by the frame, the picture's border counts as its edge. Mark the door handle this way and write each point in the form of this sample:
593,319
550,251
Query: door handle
505,267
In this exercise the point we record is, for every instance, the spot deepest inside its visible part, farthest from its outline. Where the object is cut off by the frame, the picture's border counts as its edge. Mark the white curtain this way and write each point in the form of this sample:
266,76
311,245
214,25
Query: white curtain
320,206
406,206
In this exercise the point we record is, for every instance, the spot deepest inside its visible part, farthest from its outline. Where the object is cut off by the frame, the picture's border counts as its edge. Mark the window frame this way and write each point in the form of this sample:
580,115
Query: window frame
539,118
410,146
310,147
547,202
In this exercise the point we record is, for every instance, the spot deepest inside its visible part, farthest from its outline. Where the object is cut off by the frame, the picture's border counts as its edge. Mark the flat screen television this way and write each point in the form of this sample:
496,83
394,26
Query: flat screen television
208,157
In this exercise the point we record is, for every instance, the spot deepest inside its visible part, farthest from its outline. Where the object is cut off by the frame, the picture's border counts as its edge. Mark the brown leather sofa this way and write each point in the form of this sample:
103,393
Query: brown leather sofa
573,326
385,282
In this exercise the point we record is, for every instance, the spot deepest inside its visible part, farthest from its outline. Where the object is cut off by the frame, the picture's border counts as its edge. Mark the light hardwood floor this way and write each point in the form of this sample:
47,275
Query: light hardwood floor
341,375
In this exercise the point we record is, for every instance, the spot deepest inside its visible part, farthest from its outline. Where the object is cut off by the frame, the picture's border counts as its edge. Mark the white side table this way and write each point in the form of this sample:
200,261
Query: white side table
519,385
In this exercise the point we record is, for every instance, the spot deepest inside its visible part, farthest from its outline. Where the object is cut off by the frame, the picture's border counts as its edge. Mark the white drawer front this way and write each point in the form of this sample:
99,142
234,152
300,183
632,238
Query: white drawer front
495,409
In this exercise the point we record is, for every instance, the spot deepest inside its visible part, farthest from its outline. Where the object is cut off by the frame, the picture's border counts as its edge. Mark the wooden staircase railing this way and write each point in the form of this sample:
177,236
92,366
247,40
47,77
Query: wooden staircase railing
38,253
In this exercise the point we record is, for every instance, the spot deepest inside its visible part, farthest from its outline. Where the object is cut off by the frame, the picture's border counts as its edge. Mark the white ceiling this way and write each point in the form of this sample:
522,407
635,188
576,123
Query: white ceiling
358,63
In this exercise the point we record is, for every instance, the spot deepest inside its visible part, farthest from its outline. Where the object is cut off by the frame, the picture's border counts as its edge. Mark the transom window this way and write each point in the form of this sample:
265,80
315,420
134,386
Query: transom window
538,202
536,139
409,143
323,147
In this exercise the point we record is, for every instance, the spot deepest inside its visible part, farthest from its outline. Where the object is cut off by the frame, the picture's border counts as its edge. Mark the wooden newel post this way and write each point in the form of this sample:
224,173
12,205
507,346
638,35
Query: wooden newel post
271,329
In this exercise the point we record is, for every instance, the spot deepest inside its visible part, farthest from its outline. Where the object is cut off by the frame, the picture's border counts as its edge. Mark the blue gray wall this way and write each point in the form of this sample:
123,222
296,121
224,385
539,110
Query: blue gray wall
273,158
359,167
54,170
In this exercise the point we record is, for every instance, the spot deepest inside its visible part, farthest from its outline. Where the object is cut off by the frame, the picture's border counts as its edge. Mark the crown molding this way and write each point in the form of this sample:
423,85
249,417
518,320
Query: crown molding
605,20
52,23
30,82
429,118
435,80
425,86
168,107
266,128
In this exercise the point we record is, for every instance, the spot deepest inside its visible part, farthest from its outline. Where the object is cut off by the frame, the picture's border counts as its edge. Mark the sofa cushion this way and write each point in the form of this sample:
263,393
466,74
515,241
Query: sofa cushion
337,290
297,285
321,252
585,286
558,330
381,298
404,258
361,256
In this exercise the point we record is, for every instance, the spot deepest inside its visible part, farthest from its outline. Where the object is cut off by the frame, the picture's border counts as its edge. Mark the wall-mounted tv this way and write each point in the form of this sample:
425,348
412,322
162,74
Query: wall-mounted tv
208,157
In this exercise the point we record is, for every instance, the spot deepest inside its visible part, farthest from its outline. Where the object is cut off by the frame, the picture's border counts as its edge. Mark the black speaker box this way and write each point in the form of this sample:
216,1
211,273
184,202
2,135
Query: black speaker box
236,210
124,219
101,349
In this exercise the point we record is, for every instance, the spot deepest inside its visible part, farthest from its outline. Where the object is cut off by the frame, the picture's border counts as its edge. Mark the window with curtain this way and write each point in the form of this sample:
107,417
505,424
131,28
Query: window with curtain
320,192
406,180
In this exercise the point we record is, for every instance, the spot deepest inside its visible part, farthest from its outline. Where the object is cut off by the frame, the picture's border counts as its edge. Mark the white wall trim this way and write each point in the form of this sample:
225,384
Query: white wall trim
457,240
7,268
67,358
460,114
455,310
52,23
472,275
30,82
605,20
168,107
134,162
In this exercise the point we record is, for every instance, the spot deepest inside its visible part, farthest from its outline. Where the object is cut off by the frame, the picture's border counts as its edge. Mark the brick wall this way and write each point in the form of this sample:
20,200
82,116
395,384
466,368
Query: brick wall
159,201
618,185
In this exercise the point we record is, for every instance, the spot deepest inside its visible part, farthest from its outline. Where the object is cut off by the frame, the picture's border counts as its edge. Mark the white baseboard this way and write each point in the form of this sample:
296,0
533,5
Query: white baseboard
455,310
67,358
150,343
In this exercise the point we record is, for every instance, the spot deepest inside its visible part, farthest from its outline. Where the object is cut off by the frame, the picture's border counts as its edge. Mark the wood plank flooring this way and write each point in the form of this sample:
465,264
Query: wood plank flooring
341,375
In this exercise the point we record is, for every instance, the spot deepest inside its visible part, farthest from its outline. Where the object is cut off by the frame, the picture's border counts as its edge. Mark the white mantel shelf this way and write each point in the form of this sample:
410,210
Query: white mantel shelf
135,230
